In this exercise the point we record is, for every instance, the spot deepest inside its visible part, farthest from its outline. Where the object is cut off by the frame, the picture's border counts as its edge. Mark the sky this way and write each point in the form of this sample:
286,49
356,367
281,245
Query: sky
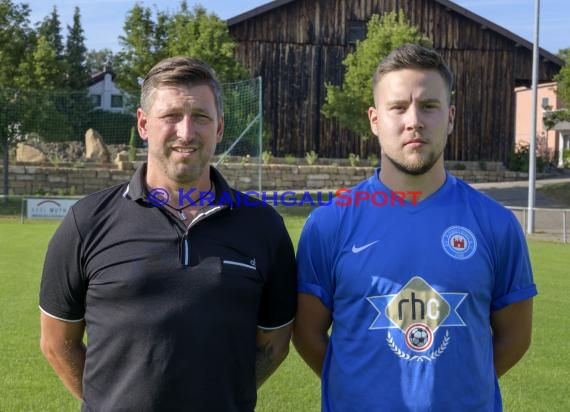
102,20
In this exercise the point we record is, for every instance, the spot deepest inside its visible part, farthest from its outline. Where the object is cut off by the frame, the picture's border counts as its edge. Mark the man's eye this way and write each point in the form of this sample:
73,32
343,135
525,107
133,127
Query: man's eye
172,118
201,118
431,105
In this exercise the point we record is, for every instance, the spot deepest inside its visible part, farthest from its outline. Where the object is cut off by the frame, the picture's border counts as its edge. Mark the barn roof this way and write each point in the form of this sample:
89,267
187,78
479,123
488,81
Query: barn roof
545,54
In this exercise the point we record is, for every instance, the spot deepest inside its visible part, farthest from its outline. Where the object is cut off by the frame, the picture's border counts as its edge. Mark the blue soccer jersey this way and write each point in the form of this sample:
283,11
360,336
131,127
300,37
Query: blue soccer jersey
411,289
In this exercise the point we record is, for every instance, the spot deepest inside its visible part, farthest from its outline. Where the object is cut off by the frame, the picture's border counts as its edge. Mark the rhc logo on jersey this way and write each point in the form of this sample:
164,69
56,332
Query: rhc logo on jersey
417,312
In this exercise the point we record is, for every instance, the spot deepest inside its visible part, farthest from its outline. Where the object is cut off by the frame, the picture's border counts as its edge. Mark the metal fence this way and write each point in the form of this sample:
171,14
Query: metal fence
549,224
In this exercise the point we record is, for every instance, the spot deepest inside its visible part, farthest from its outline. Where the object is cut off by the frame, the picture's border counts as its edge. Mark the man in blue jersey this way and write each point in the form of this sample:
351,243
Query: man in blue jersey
430,302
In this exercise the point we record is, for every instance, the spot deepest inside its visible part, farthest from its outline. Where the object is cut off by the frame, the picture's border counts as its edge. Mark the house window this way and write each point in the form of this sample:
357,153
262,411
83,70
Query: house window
96,100
356,31
116,100
545,103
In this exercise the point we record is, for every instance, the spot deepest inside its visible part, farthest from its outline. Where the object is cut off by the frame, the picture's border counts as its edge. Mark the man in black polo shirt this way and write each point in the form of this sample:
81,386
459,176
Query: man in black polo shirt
186,305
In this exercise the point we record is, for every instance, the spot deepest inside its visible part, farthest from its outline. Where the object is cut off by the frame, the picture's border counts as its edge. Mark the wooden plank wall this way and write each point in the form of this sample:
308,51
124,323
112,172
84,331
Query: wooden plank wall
298,47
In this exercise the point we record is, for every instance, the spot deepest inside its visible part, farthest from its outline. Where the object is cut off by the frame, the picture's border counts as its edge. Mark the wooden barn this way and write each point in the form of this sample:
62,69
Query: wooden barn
298,45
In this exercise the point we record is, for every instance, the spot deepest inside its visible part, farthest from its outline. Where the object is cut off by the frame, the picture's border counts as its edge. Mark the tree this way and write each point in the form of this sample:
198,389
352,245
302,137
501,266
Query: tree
205,36
40,68
96,60
75,51
50,29
349,103
46,65
46,68
76,104
185,32
39,86
564,53
563,80
142,46
551,118
15,35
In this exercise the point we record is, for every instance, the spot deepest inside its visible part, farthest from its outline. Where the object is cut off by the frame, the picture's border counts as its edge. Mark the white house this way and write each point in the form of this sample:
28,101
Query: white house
564,129
104,94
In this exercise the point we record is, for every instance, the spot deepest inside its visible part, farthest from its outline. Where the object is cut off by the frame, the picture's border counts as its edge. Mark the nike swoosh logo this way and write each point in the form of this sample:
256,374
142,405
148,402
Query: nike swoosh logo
361,248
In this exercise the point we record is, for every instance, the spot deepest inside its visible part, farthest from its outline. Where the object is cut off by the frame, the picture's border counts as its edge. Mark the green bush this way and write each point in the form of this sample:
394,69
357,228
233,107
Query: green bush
290,159
566,157
266,157
518,160
55,116
115,128
373,159
353,159
311,157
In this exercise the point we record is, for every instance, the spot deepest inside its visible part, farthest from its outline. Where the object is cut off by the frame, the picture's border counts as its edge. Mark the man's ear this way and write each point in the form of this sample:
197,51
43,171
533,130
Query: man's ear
141,124
373,118
451,120
220,131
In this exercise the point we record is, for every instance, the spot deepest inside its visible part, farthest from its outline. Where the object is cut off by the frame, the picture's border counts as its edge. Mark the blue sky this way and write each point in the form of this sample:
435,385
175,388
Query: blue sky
103,20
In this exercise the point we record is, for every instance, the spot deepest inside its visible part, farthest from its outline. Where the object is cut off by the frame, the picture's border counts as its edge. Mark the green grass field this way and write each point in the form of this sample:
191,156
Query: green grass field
27,383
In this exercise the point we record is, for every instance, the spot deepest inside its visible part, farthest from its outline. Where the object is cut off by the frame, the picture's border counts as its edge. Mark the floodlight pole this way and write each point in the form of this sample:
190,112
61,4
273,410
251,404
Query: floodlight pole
532,150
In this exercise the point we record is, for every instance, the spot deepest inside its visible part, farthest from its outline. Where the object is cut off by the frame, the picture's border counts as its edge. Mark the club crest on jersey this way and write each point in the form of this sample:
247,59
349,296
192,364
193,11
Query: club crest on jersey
459,242
415,314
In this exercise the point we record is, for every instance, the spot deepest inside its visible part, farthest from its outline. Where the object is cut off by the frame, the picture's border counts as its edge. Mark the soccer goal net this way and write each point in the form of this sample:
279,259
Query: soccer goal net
243,124
53,121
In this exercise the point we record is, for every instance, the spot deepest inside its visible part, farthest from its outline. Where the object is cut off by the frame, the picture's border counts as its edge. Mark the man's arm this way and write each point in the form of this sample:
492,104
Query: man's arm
310,334
62,345
512,329
272,349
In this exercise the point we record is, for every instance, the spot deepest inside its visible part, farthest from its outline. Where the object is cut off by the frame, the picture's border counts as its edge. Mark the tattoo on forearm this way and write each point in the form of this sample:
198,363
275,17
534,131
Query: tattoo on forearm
263,363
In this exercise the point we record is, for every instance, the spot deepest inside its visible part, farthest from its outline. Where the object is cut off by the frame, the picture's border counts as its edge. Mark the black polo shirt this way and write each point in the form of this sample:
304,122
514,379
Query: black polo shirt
164,335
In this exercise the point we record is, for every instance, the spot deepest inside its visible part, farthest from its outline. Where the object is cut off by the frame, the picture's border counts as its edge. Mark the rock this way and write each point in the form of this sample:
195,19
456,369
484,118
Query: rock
29,154
122,156
122,161
95,148
122,165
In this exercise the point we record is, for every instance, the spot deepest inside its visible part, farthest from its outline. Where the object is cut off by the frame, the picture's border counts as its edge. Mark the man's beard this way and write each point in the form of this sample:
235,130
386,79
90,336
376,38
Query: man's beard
417,168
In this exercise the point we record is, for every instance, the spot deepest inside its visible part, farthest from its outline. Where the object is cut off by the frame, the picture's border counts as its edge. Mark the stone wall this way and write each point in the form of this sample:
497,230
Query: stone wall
67,180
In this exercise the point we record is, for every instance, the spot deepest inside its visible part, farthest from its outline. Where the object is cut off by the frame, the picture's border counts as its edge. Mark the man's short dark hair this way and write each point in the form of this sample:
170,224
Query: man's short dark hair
414,56
180,71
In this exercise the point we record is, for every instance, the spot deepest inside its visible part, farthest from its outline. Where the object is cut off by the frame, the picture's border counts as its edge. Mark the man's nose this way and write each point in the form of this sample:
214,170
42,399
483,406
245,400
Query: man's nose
413,118
185,127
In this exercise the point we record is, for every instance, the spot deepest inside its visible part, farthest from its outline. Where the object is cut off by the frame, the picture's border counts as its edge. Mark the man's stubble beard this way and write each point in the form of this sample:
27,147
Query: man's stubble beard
417,169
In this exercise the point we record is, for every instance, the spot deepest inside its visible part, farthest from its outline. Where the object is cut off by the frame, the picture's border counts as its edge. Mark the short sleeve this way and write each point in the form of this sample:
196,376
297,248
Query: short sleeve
514,278
279,297
314,258
63,288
